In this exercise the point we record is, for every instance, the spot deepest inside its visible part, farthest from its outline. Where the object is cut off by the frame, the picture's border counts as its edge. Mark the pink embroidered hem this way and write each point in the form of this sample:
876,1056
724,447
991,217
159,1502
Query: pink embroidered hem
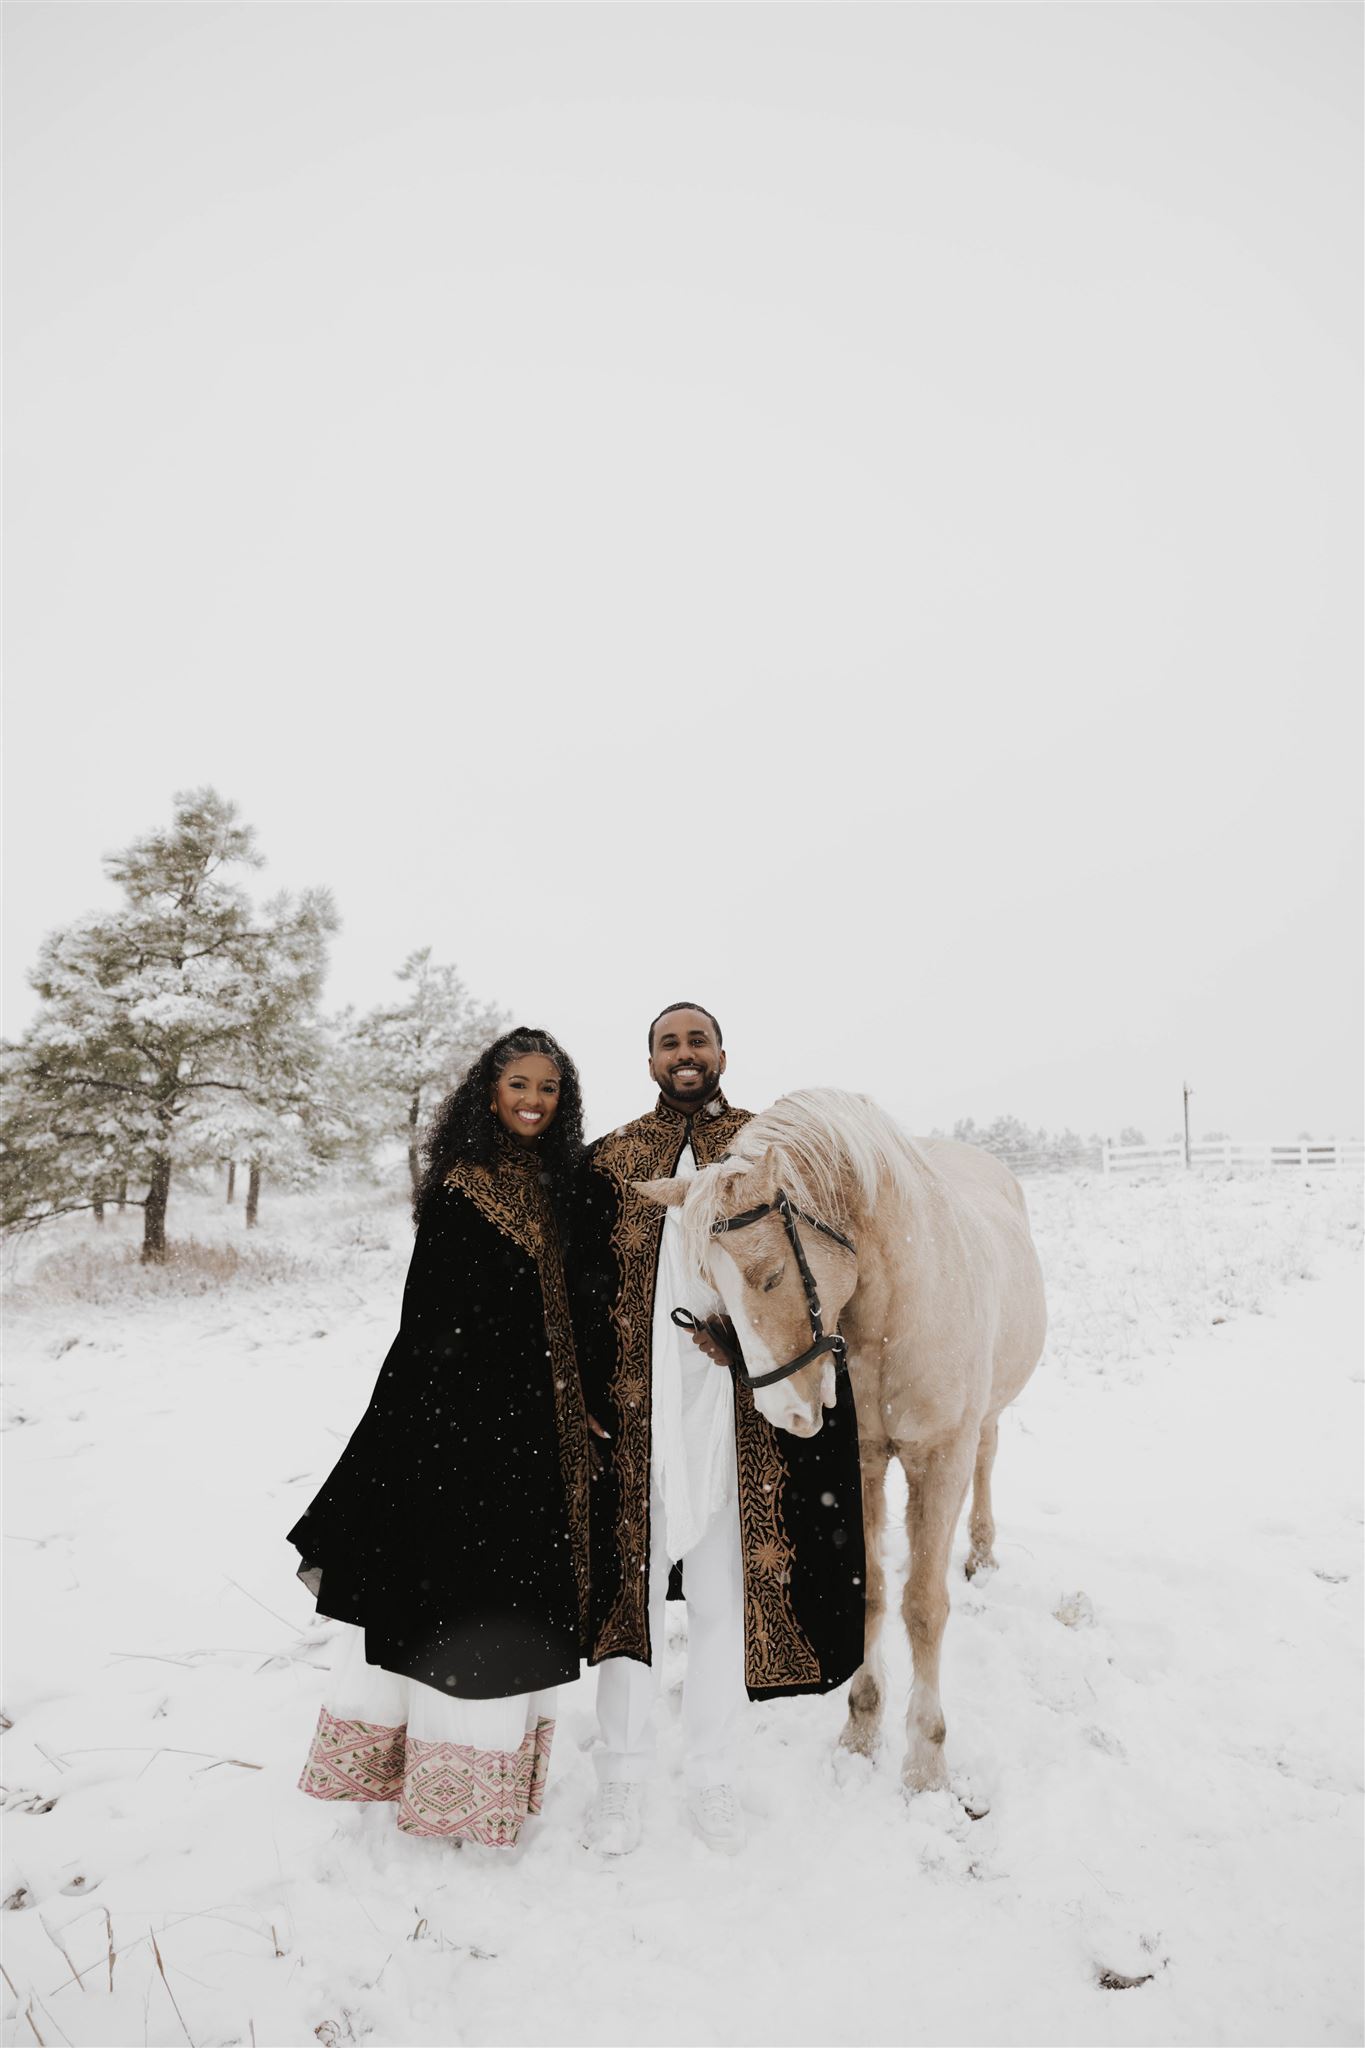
449,1789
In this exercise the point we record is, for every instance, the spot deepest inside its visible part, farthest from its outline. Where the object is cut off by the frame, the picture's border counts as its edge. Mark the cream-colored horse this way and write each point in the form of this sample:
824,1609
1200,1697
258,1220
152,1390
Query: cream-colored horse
939,1297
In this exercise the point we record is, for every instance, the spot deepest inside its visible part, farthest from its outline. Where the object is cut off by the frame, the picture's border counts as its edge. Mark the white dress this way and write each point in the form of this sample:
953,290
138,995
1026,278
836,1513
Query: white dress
462,1769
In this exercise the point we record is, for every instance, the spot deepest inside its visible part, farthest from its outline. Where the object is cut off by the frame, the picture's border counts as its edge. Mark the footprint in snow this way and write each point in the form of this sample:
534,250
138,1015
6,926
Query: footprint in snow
1120,1959
1100,1738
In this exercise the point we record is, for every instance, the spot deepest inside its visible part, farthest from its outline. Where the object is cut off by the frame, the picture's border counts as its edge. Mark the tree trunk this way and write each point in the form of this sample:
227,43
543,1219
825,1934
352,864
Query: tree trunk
232,1180
97,1204
414,1150
123,1194
253,1193
154,1214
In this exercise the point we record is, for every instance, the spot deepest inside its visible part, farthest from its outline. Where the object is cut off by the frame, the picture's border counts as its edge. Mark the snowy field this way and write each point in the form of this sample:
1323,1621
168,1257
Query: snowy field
1158,1691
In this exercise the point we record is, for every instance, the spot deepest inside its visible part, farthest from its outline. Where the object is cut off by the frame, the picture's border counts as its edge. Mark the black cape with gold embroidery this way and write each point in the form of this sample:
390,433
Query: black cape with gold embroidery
453,1528
800,1499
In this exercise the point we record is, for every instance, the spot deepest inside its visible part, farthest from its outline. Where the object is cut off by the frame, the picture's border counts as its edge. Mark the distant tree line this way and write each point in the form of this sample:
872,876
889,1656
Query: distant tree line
1033,1151
184,1029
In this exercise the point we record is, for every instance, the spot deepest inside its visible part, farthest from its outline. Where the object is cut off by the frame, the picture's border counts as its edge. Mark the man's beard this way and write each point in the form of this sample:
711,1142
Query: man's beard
695,1097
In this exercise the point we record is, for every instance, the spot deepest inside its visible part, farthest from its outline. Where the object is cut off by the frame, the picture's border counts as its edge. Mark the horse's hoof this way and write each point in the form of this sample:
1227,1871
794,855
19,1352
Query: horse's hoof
860,1741
850,1770
925,1777
977,1567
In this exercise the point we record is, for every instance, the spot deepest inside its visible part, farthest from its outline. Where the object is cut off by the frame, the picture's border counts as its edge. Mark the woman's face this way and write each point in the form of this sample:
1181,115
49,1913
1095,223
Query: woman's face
526,1096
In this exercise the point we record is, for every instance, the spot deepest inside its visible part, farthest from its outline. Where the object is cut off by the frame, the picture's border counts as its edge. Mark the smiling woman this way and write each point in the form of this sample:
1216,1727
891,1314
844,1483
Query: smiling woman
451,1536
526,1096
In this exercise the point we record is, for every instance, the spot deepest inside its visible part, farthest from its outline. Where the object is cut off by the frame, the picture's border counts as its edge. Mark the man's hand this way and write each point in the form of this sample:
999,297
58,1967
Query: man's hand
707,1338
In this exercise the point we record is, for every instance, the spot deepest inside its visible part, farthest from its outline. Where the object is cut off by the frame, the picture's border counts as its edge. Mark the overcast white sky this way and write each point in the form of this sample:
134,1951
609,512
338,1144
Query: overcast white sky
849,513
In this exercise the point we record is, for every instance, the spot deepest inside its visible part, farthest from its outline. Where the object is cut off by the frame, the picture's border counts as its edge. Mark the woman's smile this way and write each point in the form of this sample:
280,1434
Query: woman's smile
526,1096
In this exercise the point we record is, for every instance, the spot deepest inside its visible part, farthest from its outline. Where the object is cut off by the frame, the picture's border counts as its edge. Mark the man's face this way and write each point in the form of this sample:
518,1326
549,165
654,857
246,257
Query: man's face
685,1062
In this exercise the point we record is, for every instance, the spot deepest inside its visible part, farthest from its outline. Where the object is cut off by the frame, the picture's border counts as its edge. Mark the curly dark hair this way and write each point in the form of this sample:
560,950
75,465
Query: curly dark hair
464,1128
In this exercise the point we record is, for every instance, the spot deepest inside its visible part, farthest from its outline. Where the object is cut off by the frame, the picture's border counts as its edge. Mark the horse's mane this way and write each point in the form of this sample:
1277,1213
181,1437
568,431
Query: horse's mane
832,1151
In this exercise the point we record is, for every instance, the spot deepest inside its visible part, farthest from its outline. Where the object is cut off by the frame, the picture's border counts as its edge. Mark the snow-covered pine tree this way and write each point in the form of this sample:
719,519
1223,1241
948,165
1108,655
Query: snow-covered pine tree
1067,1151
407,1055
154,1018
1010,1139
282,1119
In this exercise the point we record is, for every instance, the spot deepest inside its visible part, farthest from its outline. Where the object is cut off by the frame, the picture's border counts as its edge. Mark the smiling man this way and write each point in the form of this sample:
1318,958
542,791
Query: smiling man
769,1529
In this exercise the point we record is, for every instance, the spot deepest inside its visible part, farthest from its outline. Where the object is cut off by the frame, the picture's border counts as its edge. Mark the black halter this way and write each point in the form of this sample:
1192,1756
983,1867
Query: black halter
834,1344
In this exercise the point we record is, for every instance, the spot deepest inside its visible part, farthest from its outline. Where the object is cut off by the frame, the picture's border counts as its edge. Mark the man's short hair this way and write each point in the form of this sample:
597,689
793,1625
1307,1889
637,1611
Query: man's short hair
668,1010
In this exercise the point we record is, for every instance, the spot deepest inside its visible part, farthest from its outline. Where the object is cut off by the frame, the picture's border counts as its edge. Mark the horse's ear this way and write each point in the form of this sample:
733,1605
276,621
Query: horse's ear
667,1193
762,1177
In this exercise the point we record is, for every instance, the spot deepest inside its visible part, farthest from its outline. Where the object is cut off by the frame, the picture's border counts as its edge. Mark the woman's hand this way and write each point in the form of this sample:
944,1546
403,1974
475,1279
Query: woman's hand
596,1462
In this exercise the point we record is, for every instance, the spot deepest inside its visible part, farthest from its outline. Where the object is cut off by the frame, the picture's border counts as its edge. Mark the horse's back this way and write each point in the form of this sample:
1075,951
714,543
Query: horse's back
979,1176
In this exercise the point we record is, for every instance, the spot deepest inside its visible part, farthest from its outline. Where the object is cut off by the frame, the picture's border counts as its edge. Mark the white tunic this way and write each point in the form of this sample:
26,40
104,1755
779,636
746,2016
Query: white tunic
693,1456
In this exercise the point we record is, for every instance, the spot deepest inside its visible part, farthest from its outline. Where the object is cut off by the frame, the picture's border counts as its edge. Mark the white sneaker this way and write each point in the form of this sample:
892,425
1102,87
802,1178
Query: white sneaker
613,1826
717,1818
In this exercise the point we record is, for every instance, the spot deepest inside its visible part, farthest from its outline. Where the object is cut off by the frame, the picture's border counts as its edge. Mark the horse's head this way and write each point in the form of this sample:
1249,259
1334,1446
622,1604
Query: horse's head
784,1276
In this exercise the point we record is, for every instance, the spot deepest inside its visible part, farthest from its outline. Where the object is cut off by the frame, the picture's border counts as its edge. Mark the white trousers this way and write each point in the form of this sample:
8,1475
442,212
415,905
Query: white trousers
714,1696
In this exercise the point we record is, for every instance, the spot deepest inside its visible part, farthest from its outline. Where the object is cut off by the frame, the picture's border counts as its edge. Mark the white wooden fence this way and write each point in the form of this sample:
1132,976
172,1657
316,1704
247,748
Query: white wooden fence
1229,1153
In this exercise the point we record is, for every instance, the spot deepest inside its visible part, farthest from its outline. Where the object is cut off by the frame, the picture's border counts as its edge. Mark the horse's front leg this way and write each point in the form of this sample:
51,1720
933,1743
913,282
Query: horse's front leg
867,1693
938,1484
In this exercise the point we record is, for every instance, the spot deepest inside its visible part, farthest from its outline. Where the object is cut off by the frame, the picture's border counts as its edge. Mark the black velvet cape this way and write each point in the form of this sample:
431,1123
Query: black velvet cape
800,1499
453,1528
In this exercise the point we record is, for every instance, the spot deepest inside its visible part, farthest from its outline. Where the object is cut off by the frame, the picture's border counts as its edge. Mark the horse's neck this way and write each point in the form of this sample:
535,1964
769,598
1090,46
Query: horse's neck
896,1234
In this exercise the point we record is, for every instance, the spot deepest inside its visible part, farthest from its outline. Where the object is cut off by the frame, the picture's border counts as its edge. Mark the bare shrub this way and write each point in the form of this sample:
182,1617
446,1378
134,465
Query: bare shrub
113,1275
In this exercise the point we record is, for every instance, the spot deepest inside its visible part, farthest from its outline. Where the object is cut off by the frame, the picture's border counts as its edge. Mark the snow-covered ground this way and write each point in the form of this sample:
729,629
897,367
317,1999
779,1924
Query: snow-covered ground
1159,1690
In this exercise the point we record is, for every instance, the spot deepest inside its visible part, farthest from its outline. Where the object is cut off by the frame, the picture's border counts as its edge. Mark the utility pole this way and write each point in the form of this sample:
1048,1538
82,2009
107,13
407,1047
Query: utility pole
1188,1093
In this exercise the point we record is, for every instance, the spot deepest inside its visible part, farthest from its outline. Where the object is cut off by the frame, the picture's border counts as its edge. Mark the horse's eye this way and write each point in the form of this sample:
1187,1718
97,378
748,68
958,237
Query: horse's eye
772,1280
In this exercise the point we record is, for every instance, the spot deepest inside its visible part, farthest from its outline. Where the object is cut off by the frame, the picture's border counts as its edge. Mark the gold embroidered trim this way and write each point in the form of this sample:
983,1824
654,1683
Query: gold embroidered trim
571,1416
776,1651
712,1136
512,1198
644,1150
